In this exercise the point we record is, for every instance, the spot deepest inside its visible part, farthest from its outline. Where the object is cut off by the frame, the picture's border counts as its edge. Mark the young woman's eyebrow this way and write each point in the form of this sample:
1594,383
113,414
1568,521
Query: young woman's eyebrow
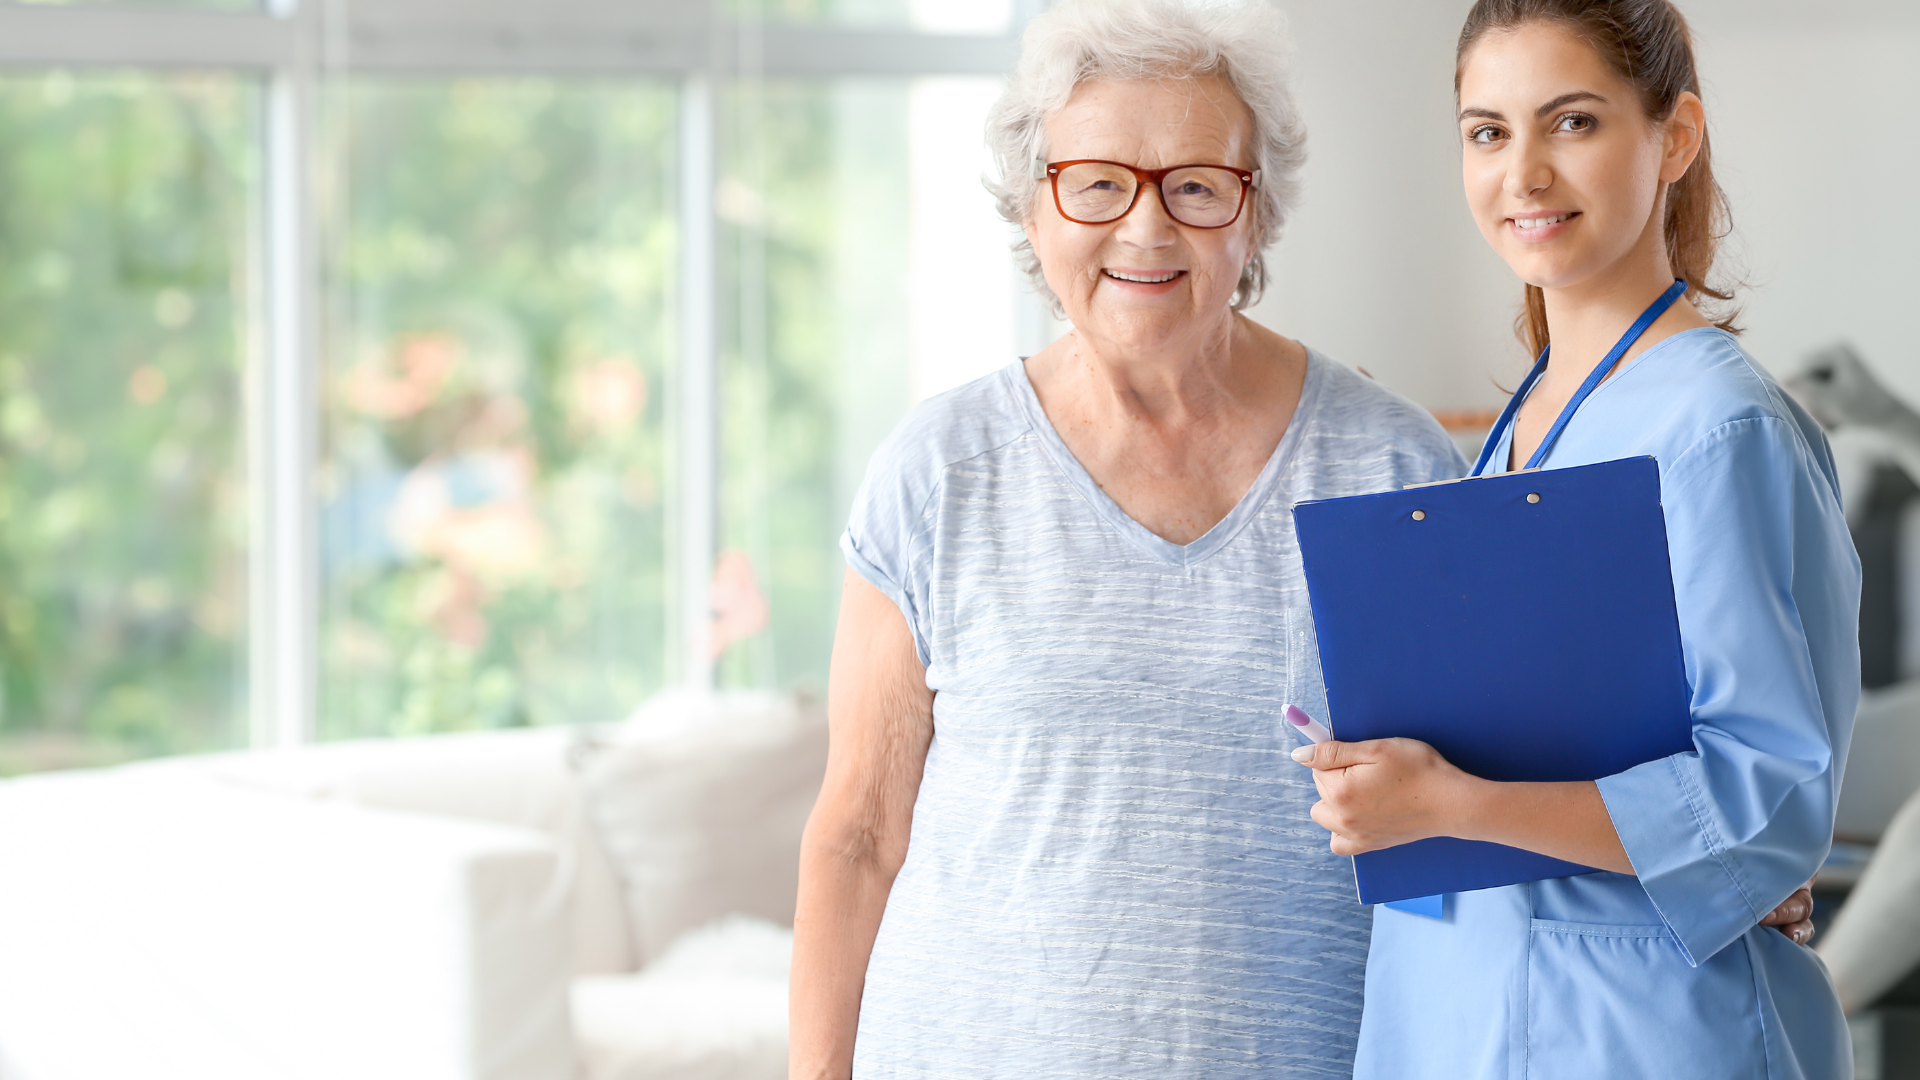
1562,100
1568,99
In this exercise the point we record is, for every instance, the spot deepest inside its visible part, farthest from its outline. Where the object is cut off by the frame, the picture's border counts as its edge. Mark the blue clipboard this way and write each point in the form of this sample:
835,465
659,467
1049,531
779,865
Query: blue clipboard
1522,624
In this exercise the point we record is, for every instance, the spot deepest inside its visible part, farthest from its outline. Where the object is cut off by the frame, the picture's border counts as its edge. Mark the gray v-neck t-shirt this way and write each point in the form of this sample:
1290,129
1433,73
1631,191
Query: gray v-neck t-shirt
1112,871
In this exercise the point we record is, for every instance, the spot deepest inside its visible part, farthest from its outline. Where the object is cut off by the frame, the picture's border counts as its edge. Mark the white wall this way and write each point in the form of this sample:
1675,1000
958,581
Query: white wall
1814,135
1809,108
1382,267
963,293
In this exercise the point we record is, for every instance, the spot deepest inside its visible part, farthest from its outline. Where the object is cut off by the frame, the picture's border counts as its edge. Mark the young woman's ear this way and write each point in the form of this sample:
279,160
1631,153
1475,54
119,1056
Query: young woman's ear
1686,129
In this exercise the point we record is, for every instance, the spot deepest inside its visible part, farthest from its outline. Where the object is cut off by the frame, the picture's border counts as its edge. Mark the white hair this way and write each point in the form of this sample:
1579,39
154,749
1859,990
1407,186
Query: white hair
1242,41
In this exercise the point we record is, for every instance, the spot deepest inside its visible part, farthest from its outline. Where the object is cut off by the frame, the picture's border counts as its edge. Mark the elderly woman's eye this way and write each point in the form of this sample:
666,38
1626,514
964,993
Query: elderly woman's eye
1193,187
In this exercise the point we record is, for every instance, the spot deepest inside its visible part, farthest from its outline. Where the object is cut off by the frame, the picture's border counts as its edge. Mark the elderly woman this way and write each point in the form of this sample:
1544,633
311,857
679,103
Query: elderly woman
1075,609
1060,835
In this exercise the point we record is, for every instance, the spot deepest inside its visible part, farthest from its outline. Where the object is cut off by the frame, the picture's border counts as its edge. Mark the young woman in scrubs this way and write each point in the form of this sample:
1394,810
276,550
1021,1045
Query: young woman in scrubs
1585,156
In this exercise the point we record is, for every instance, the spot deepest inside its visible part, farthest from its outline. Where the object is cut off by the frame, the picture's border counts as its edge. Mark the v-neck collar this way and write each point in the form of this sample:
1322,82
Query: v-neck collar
1503,450
1224,530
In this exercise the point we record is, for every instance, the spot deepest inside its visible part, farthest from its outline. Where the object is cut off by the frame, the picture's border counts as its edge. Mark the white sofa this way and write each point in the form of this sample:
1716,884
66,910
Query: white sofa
524,905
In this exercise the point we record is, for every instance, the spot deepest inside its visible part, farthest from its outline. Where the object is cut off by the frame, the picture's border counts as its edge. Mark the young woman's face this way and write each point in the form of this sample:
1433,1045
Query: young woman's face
1563,170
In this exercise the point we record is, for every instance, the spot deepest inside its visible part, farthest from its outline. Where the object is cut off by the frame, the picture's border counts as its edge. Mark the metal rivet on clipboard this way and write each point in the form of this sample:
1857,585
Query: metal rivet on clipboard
1419,515
1533,497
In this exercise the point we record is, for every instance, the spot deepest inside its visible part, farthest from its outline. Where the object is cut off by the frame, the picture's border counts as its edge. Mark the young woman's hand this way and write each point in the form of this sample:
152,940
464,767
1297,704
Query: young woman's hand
1384,792
1387,792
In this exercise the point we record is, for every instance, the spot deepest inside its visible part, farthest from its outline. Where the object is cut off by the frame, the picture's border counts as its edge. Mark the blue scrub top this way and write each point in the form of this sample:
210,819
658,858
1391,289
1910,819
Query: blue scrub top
1667,974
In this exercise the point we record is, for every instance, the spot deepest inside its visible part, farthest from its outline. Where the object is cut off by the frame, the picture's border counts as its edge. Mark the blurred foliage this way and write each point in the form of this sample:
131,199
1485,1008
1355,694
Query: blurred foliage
124,277
495,462
499,333
510,243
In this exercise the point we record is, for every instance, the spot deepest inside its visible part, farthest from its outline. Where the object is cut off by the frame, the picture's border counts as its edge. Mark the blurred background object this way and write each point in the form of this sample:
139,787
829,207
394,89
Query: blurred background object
1869,891
414,367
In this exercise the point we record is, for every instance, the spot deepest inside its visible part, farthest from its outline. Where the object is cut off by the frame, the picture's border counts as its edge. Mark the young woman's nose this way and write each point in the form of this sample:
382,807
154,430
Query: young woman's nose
1528,170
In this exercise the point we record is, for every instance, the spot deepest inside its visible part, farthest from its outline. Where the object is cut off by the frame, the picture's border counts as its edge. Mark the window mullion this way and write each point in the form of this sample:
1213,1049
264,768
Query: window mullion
286,411
697,477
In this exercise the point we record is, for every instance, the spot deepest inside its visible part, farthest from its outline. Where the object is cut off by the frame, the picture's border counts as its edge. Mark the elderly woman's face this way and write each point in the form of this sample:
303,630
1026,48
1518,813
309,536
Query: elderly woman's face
1146,279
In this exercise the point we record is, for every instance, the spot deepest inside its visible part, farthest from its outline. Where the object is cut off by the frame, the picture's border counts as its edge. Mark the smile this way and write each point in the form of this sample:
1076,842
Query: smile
1144,278
1542,222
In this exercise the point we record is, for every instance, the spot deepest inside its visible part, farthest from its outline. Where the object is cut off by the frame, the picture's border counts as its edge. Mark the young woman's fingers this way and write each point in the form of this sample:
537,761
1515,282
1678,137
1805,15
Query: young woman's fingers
1336,755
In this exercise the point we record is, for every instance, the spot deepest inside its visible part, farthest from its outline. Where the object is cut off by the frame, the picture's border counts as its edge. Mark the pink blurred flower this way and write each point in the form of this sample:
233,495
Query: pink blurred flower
423,363
739,607
608,396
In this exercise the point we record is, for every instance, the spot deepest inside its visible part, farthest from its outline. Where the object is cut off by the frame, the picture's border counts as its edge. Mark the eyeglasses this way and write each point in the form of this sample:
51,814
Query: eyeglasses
1096,192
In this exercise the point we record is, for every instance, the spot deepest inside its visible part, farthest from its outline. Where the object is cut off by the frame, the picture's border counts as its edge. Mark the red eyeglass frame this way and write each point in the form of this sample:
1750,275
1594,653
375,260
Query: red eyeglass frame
1143,177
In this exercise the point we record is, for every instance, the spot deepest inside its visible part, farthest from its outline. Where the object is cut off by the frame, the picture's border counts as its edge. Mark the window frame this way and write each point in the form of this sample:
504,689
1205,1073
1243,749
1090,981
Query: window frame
294,49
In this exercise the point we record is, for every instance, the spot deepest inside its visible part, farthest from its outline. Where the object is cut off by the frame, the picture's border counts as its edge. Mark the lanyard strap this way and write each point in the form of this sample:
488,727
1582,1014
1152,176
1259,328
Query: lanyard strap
1654,311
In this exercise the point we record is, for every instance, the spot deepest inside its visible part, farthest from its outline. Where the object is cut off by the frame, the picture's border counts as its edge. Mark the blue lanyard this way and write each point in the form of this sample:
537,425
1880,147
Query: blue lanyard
1654,311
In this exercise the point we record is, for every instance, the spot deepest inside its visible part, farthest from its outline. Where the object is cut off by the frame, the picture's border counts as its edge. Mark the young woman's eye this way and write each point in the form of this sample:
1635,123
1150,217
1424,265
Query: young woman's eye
1575,122
1485,135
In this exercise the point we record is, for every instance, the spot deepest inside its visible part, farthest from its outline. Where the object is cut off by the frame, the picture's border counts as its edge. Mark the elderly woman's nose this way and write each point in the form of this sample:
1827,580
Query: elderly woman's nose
1148,223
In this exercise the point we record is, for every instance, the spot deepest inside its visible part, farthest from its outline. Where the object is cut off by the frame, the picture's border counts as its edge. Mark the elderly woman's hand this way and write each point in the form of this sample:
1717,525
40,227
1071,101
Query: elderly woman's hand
1794,916
1385,792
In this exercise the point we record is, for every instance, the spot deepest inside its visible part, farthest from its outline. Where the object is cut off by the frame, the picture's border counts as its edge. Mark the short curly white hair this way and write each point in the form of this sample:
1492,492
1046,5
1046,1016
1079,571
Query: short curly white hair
1243,41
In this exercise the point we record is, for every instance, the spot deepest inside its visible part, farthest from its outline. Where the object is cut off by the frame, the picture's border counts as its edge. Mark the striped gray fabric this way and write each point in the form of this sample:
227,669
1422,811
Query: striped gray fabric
1112,872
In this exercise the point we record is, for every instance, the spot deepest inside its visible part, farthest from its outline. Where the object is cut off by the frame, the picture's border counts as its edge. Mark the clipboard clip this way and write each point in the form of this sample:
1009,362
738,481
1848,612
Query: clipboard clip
1464,479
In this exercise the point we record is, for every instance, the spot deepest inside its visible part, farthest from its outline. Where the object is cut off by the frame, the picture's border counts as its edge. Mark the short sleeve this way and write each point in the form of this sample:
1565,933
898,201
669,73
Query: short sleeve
1445,462
885,542
1767,589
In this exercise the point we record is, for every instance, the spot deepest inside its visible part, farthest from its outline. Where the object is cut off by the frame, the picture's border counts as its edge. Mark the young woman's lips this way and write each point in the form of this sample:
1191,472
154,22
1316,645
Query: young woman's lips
1535,228
1143,282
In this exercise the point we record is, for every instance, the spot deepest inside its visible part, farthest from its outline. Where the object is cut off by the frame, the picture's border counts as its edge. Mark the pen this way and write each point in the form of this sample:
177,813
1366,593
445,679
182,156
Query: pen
1311,728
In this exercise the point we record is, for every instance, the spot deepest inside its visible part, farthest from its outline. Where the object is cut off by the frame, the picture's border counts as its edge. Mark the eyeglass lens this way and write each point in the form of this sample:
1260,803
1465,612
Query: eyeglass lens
1096,193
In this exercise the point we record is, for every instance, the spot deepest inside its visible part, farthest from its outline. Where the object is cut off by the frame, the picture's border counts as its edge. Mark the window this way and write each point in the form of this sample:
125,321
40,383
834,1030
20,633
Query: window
127,277
242,4
926,16
506,367
862,272
494,471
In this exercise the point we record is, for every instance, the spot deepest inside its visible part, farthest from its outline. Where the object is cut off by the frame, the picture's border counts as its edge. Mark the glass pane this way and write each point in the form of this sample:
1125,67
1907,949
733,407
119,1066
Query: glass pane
863,269
495,474
154,3
125,208
924,16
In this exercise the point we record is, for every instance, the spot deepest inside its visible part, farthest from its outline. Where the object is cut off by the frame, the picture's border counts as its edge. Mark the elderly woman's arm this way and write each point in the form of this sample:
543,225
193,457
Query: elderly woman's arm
880,718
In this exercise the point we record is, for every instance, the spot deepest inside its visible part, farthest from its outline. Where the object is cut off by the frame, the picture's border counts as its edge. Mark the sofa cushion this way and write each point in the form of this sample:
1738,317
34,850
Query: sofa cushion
518,777
712,1007
700,801
156,924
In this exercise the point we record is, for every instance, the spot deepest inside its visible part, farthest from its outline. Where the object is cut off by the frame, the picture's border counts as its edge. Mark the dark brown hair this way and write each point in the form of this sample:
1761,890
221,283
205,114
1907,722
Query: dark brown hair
1646,43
